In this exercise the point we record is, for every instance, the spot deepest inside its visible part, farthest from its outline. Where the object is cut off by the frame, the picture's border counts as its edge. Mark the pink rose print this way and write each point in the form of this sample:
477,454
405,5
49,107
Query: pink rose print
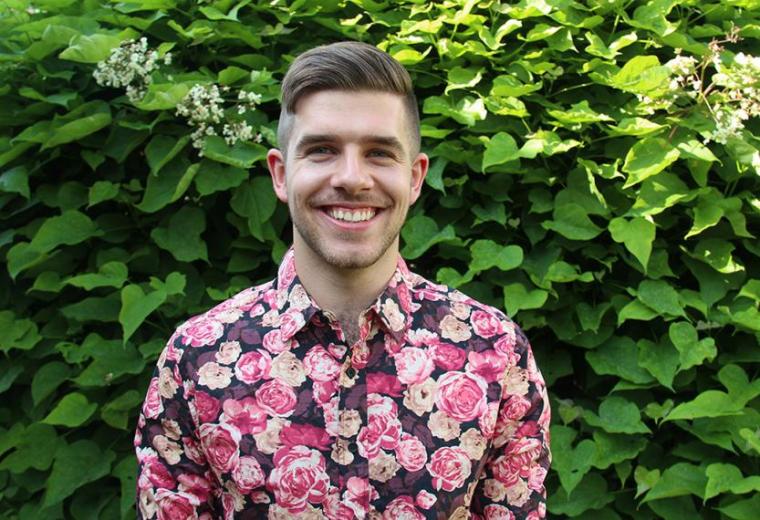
359,493
518,458
449,467
323,392
383,429
274,343
206,406
425,500
461,396
305,435
172,506
411,453
253,366
220,443
200,331
298,478
413,365
245,415
515,407
448,357
489,365
506,345
402,507
497,512
248,474
536,478
486,325
276,398
384,384
155,473
290,323
153,405
487,421
320,365
194,485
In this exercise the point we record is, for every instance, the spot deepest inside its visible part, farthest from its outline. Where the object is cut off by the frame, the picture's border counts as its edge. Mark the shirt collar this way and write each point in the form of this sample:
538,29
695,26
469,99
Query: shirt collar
393,307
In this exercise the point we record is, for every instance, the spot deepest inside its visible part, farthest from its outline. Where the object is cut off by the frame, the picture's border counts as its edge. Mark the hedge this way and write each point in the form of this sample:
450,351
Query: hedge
595,172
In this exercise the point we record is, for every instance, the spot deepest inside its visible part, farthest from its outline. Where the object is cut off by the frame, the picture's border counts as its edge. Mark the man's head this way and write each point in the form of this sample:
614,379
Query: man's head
349,164
351,67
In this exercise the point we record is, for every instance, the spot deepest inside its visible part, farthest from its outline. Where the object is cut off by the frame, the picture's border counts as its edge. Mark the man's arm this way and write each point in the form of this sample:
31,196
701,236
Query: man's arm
519,460
174,480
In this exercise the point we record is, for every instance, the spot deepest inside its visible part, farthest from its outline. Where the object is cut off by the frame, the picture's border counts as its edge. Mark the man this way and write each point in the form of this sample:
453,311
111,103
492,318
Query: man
348,387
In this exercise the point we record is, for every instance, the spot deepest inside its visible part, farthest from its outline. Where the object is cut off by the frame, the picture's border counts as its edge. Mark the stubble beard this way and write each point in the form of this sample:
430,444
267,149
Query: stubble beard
309,232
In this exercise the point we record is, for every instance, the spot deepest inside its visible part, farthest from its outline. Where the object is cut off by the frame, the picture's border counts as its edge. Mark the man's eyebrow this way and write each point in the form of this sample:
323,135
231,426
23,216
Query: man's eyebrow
312,139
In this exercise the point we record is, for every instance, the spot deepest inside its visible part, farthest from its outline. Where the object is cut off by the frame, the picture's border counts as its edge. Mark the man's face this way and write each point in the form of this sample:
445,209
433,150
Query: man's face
349,176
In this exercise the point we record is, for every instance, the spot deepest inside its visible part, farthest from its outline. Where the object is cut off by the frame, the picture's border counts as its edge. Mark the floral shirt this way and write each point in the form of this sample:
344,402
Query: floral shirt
259,409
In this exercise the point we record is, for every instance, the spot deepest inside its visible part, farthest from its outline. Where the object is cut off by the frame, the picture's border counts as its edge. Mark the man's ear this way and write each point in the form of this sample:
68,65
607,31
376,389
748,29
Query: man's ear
419,171
276,165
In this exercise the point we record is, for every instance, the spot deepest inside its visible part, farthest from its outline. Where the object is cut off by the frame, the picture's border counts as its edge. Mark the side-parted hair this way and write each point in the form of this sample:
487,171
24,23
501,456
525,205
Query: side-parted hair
349,66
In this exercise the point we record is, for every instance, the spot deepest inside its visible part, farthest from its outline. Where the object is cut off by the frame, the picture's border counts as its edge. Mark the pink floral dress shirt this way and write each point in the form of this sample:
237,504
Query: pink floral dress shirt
259,409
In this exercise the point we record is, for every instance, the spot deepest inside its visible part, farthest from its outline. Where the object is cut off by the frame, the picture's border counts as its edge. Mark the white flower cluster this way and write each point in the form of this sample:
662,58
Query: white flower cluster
732,95
129,66
203,106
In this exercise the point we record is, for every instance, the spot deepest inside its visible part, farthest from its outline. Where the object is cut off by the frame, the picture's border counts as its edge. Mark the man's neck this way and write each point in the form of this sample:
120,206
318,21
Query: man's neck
344,292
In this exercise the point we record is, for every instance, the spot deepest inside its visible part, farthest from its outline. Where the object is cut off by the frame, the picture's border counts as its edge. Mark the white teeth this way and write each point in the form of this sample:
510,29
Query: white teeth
352,216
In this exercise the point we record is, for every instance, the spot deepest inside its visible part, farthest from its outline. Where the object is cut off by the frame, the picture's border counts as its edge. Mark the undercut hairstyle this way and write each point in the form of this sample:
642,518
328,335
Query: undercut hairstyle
348,66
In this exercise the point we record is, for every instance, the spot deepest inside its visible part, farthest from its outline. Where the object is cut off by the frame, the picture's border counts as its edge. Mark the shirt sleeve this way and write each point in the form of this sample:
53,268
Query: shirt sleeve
517,464
174,479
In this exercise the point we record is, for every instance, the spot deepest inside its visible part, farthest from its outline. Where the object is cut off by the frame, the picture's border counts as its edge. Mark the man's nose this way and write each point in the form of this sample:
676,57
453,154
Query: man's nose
353,173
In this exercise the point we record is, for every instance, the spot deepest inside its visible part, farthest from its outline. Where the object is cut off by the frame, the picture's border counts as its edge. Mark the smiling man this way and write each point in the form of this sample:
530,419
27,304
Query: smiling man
348,387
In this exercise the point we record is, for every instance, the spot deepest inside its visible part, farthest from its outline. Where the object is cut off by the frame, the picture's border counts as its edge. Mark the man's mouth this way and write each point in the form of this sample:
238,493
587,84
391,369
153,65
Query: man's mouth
352,215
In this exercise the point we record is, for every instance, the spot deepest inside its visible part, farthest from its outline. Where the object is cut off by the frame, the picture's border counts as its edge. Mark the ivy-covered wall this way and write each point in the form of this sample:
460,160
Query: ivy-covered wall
595,172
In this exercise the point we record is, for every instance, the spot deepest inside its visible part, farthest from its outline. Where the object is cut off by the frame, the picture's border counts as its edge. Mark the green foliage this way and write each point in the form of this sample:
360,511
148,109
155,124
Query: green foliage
579,178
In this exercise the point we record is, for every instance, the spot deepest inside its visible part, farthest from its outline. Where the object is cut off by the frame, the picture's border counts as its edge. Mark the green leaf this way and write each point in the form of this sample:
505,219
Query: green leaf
162,149
163,96
590,494
80,122
462,78
618,356
487,254
15,180
241,154
111,360
116,412
578,113
110,274
517,297
647,158
546,143
35,450
658,193
466,111
742,509
660,296
617,415
72,411
168,186
17,333
570,463
47,378
636,126
680,479
69,228
102,191
693,352
651,16
635,310
182,236
641,75
710,403
722,478
571,221
500,149
93,309
8,374
256,201
661,360
90,48
612,448
213,176
75,465
136,306
637,234
420,233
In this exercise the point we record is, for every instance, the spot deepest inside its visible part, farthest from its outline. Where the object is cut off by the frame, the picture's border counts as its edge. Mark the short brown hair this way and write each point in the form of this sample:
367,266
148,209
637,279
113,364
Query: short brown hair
350,66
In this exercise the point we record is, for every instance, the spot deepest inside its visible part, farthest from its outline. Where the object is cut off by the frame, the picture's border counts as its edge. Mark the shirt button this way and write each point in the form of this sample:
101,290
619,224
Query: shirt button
350,372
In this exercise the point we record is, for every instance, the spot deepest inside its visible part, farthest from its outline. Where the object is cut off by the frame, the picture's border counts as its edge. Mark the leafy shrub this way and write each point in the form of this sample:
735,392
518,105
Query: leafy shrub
594,171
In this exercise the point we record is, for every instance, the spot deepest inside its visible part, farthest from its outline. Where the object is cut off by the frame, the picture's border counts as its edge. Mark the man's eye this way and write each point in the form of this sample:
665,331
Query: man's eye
381,154
319,150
